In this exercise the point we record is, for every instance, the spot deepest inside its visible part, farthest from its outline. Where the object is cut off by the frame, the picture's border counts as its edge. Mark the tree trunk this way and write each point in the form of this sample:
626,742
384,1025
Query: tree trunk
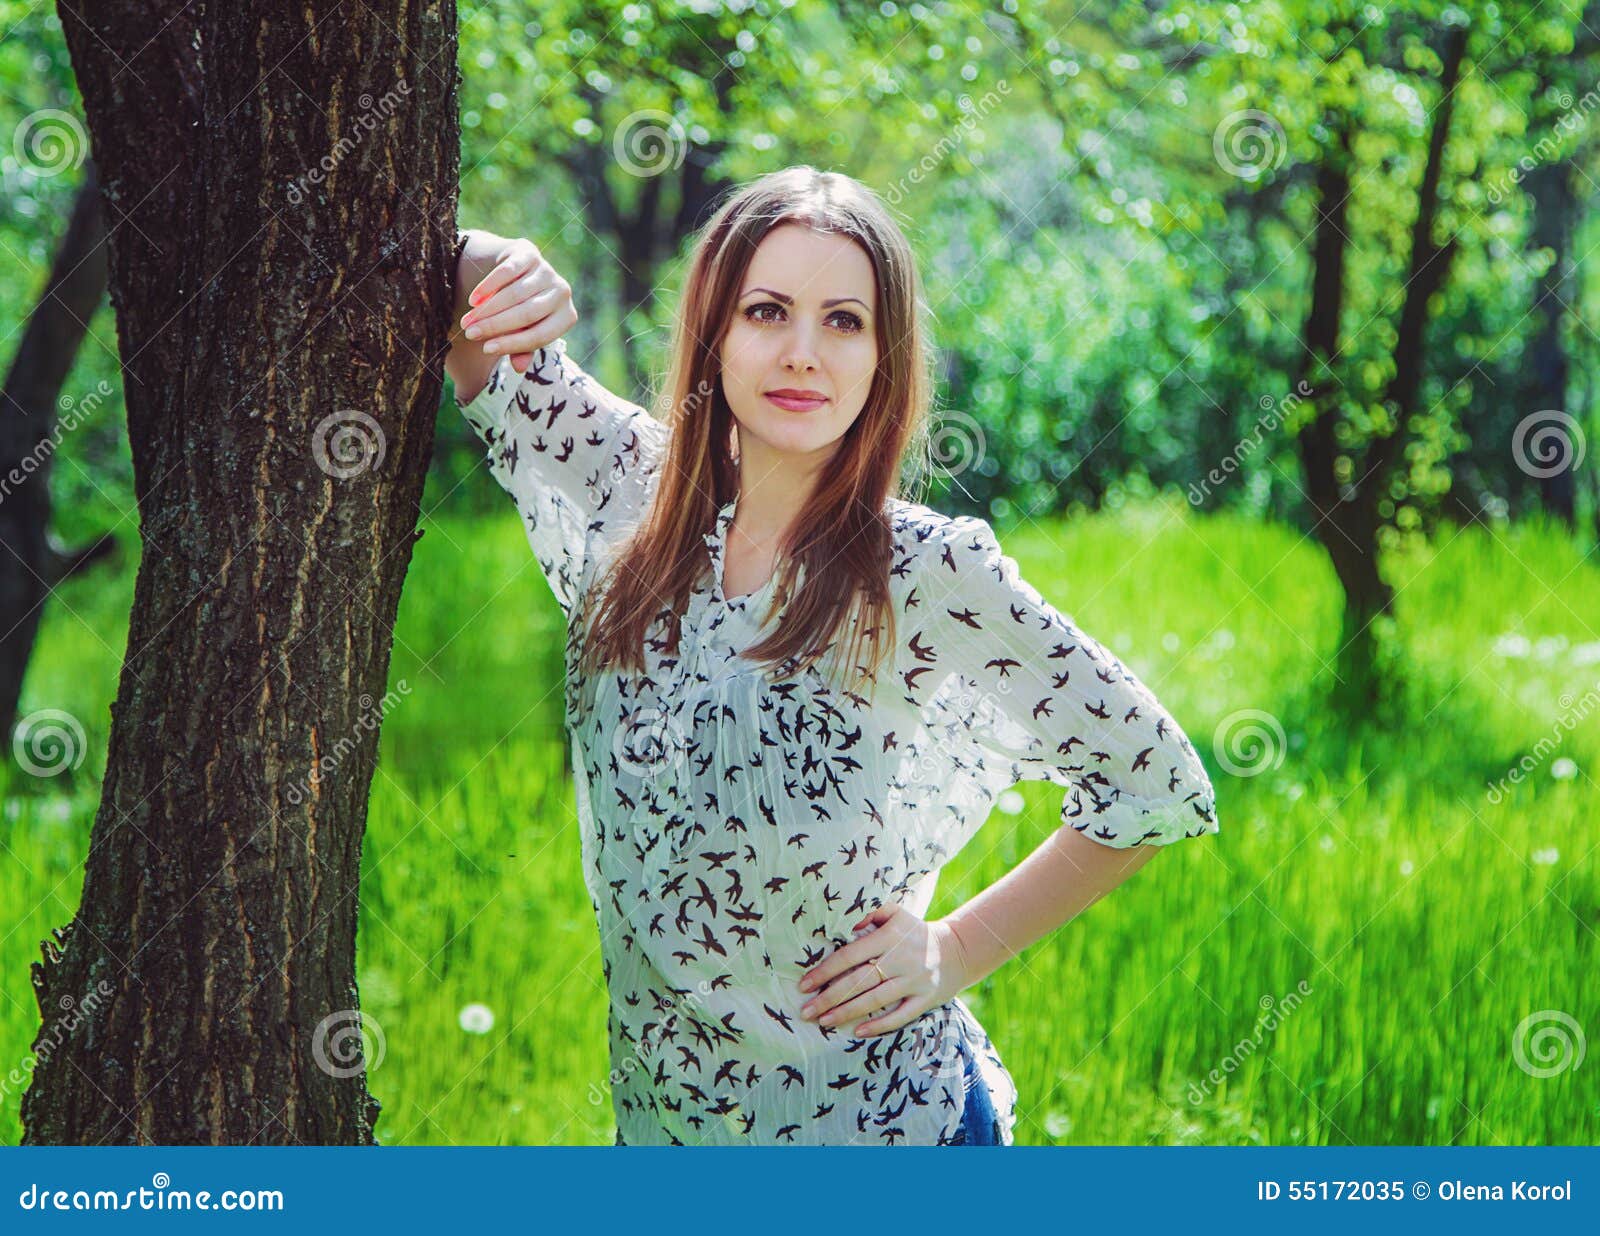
280,189
1350,516
50,342
1555,216
1338,521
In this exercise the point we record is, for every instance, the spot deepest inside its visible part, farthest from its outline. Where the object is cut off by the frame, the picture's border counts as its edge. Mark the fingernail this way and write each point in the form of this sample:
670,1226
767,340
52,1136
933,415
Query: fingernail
492,346
474,331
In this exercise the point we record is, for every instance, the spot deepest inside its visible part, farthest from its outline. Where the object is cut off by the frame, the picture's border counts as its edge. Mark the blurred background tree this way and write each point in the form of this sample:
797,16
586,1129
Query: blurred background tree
1316,260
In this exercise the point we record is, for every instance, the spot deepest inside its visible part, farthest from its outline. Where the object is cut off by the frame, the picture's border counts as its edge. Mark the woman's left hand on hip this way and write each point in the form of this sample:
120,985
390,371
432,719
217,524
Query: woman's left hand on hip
897,969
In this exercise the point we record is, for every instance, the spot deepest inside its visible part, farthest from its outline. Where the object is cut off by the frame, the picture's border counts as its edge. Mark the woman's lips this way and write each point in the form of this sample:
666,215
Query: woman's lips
795,404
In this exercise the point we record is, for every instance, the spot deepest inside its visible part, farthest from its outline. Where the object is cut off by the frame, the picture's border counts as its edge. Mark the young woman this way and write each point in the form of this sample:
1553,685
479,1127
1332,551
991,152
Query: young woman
793,694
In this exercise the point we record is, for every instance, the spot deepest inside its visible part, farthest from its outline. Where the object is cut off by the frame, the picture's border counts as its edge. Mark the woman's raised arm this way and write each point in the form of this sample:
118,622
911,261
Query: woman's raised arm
575,457
509,301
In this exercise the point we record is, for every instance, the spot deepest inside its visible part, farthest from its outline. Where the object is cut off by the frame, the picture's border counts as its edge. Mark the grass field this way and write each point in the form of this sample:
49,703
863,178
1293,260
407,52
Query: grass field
1353,959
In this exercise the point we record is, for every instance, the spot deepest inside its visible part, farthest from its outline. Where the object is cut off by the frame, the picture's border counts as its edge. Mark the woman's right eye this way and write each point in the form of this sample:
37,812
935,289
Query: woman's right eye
750,312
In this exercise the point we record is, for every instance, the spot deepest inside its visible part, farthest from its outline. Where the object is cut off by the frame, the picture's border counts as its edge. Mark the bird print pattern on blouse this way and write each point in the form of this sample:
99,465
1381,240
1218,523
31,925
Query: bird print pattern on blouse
734,825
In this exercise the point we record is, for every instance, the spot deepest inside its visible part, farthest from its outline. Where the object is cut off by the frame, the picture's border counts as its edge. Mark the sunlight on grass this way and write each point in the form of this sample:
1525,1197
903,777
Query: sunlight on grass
1348,961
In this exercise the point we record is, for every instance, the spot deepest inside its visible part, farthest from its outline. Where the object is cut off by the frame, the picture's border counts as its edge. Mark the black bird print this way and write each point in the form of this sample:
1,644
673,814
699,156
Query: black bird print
790,804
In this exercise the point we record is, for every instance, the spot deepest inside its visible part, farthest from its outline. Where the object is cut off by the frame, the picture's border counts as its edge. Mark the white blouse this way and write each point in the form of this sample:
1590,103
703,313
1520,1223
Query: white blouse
734,826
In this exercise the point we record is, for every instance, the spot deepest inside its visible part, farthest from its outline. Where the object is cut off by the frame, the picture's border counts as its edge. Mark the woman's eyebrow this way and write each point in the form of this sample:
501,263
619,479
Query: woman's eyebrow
789,300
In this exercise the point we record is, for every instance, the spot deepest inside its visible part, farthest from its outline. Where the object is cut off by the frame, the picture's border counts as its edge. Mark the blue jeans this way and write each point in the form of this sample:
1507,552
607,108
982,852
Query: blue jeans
979,1125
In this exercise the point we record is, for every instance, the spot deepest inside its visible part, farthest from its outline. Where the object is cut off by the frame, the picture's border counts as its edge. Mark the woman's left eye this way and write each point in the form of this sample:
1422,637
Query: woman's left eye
850,323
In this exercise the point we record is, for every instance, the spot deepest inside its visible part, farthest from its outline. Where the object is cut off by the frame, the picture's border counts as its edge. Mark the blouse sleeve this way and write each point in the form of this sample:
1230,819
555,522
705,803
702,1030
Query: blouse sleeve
1037,692
573,456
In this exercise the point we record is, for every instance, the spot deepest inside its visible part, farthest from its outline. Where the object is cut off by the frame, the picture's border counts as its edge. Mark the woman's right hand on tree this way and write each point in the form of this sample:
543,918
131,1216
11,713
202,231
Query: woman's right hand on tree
520,304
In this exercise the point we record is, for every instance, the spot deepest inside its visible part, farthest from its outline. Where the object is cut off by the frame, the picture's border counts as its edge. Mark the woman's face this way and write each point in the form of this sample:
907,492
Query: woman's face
804,322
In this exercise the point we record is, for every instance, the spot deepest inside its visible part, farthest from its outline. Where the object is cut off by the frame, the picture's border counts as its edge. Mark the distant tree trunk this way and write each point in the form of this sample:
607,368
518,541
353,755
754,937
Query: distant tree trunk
55,329
1351,514
280,186
642,235
1555,217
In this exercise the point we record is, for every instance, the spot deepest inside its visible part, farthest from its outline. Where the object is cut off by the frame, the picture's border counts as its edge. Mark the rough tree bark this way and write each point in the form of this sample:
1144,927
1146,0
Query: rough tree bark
28,421
280,188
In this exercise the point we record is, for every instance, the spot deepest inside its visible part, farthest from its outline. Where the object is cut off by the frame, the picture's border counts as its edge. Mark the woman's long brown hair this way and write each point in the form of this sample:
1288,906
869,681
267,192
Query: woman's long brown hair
842,535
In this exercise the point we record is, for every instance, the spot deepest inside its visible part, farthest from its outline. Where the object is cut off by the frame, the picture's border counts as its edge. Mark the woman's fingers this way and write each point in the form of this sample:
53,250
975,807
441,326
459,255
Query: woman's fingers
523,258
851,985
542,281
866,1004
540,334
498,327
901,1014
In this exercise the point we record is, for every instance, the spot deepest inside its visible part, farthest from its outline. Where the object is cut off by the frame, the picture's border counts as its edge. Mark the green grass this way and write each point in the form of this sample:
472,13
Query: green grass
1367,886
